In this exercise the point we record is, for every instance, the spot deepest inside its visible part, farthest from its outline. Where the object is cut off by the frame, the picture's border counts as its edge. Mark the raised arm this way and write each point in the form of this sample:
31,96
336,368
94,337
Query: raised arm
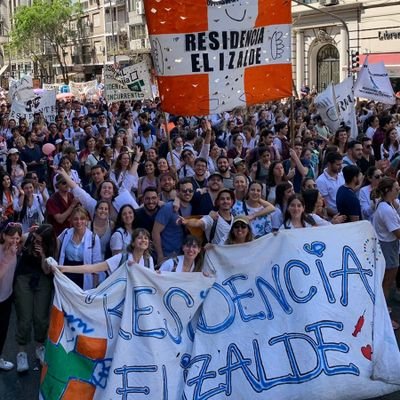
268,209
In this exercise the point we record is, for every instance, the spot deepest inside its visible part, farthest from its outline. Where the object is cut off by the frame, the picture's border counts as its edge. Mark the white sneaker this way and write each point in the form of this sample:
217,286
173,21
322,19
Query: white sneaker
22,362
6,365
40,350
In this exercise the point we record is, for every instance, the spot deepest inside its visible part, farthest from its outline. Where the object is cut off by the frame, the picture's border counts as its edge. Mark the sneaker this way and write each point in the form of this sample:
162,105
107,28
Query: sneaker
6,365
22,362
40,353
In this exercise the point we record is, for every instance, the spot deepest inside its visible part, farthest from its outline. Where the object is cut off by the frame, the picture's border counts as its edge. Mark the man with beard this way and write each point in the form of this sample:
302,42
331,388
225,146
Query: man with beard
204,199
224,170
167,185
200,169
216,230
145,216
168,237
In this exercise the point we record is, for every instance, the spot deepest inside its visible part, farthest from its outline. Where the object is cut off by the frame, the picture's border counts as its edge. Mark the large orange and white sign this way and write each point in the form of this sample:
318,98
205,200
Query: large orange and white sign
214,55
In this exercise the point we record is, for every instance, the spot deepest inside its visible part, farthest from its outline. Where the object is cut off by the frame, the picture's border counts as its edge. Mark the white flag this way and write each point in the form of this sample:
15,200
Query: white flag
20,89
336,105
373,83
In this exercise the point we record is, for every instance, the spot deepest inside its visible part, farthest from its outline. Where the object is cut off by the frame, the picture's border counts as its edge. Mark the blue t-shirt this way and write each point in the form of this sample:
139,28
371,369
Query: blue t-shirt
173,235
347,202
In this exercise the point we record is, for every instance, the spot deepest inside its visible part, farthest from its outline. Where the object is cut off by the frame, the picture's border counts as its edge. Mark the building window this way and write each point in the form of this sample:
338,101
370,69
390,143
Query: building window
327,67
96,19
137,31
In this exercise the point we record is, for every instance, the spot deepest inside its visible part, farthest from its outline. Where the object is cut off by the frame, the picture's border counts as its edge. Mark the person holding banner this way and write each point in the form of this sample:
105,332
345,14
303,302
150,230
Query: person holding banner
295,216
240,231
386,222
190,261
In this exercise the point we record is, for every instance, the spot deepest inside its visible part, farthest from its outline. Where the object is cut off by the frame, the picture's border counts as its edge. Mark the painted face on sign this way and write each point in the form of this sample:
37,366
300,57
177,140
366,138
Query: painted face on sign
234,11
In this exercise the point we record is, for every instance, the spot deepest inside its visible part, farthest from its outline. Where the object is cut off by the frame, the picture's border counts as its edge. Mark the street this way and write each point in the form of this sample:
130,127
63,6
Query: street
14,386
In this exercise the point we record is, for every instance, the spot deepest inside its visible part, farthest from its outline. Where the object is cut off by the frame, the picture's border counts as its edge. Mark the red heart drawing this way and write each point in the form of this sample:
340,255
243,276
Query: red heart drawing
367,351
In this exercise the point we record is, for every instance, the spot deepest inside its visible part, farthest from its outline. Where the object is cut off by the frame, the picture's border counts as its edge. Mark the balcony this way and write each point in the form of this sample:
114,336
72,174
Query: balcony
119,26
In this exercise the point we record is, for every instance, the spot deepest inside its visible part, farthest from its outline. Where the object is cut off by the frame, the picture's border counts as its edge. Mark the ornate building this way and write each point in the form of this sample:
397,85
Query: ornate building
325,39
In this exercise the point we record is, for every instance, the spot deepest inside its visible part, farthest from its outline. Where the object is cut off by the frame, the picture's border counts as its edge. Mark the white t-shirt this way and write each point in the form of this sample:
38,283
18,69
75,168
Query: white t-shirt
386,220
169,265
328,188
114,262
221,230
120,240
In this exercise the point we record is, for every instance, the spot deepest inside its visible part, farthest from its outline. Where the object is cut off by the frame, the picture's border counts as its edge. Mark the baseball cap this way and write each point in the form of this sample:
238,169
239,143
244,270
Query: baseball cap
238,161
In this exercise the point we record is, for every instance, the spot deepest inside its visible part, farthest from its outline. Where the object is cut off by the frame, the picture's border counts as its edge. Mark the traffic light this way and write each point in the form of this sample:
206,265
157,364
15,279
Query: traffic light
355,59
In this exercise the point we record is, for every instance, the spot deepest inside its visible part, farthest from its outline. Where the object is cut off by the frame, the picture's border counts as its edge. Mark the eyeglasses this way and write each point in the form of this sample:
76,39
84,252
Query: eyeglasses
240,225
187,190
378,176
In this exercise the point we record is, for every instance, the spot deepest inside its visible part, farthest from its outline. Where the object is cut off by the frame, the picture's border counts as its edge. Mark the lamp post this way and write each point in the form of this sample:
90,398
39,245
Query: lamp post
341,20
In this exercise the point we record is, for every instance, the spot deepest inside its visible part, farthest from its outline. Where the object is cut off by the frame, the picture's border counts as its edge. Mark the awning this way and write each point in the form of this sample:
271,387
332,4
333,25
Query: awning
387,58
391,61
4,69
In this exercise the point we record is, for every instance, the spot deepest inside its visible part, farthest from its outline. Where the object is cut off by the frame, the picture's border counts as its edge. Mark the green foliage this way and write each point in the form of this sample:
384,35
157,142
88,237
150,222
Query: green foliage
45,21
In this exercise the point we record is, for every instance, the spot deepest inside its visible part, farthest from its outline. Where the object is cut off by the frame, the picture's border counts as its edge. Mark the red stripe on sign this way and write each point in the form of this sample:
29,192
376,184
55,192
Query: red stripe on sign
274,12
186,94
267,82
176,16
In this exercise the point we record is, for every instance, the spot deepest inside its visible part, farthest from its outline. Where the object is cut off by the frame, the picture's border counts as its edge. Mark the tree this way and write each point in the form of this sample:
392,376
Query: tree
45,23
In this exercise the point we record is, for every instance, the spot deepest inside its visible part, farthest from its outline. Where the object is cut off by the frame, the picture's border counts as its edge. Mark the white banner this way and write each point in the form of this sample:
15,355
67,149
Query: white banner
51,86
306,324
44,102
129,83
79,89
373,83
20,89
336,104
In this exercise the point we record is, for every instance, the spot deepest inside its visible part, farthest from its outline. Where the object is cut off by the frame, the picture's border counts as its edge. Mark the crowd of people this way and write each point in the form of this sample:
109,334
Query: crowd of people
102,186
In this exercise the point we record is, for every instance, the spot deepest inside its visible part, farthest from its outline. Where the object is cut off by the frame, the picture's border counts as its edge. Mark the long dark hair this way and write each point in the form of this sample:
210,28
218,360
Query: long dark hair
119,223
305,219
49,241
271,179
280,193
8,163
22,213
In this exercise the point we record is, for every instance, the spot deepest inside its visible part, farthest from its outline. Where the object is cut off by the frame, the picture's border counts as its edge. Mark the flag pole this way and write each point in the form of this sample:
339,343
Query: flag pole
169,140
292,121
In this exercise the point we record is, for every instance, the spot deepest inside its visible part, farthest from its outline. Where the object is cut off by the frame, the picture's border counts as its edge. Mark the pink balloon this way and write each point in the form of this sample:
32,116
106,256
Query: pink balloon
48,148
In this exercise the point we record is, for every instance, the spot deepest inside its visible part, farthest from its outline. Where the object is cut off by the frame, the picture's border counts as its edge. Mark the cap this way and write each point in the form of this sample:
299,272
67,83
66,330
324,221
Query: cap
216,174
13,151
241,218
238,161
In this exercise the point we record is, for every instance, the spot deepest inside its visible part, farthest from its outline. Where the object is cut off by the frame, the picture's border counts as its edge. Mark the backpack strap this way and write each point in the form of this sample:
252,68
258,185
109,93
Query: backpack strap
123,259
213,230
175,261
246,211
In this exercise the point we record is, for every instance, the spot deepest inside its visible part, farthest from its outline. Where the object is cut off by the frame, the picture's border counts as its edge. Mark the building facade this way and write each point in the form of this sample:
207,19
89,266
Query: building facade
327,32
108,31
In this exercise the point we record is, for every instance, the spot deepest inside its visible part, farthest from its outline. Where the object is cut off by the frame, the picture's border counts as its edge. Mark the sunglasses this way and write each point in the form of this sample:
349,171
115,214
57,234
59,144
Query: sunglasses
187,190
14,224
240,225
378,176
